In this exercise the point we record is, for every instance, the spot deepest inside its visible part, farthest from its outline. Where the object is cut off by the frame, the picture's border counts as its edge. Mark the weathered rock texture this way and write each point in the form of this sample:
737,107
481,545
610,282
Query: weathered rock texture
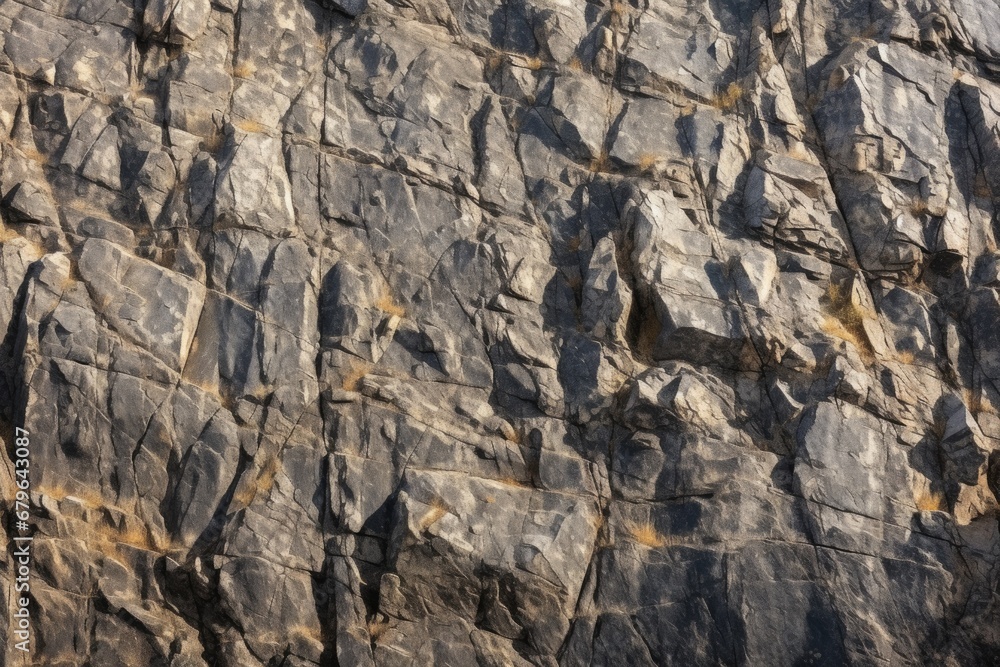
484,332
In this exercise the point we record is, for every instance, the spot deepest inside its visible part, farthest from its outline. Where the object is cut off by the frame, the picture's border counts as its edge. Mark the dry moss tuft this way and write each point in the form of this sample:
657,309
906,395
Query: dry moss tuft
311,633
214,143
34,155
510,480
438,508
647,535
265,482
86,497
647,161
377,628
847,320
389,306
8,234
601,163
981,188
245,70
919,207
729,98
937,427
261,485
250,126
110,540
977,403
353,375
931,501
494,62
600,526
618,9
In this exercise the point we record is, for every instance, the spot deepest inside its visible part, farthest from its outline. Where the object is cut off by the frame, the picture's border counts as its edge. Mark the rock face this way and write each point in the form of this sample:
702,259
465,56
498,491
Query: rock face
383,333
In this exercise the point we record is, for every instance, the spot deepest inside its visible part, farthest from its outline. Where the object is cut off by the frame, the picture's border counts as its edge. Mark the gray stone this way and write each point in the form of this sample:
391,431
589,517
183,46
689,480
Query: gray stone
503,333
850,441
607,299
252,190
142,301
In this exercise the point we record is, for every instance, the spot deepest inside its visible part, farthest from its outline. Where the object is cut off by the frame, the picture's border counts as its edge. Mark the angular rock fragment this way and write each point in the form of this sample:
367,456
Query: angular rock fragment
145,303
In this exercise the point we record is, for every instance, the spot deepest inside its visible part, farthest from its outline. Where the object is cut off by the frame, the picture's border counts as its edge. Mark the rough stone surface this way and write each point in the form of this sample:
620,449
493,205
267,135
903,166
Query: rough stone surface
380,333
